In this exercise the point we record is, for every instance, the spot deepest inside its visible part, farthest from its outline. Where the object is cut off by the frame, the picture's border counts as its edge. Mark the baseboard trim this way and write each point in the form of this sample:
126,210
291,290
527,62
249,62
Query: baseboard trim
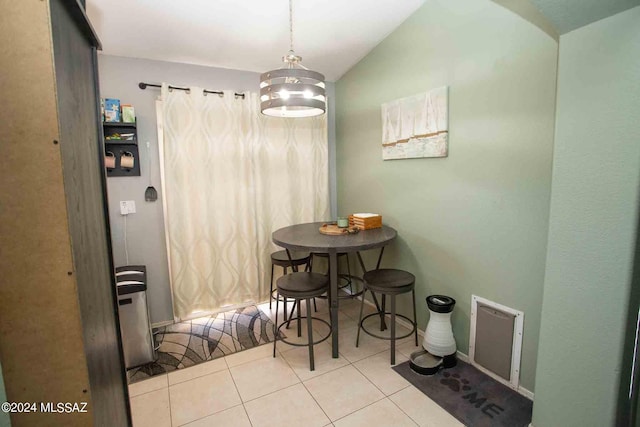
526,393
161,324
204,314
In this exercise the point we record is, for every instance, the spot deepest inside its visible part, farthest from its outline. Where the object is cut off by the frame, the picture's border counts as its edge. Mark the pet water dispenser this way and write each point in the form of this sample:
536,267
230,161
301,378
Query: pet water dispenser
439,346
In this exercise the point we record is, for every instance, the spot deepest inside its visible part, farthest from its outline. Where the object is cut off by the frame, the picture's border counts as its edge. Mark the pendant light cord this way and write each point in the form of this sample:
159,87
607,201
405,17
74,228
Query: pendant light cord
291,25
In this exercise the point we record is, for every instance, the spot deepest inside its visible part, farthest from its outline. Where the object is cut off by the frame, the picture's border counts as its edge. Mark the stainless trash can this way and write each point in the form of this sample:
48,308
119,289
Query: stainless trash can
135,330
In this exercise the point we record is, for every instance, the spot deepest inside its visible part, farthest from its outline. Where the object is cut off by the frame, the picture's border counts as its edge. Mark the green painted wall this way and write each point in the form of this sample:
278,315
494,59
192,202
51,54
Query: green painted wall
592,224
475,222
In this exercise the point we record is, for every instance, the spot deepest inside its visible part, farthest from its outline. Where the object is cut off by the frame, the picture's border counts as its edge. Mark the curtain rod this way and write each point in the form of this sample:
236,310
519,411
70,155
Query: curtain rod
143,86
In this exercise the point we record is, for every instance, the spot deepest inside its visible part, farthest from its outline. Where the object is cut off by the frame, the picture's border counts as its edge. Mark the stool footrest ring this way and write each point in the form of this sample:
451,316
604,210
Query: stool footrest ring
388,338
295,319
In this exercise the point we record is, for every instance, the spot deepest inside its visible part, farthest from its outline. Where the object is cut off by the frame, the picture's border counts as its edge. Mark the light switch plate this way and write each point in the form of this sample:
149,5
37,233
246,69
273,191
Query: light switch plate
127,207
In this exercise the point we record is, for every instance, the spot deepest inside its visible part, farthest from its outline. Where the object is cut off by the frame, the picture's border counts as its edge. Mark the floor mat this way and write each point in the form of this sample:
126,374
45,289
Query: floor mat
188,343
471,396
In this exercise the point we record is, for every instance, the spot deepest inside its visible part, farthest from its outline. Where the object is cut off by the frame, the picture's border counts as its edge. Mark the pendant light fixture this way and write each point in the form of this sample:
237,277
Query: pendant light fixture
292,91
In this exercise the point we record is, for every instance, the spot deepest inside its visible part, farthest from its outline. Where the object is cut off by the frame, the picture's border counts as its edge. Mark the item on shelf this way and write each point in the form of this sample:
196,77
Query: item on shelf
365,221
111,110
110,160
120,137
127,160
128,113
102,109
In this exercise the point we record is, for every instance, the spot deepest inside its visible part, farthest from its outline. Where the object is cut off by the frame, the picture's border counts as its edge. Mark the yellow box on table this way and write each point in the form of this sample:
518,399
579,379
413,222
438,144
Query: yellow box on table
365,221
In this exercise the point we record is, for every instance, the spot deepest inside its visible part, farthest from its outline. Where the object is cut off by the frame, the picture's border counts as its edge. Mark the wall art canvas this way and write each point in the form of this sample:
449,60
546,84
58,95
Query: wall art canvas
416,126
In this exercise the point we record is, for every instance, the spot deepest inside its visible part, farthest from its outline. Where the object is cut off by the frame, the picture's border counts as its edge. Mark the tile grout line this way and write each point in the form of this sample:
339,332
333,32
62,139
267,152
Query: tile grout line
350,413
319,375
313,397
317,403
301,381
383,393
349,363
253,360
169,398
310,394
367,378
401,410
239,395
245,411
195,378
199,376
147,392
272,392
289,365
360,409
206,416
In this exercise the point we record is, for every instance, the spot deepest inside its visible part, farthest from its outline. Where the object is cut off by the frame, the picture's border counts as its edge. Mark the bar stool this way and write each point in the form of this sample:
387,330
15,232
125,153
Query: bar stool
281,259
388,282
301,286
348,277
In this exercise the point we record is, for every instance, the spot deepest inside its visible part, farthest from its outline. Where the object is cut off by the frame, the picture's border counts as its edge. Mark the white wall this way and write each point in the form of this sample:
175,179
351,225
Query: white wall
119,78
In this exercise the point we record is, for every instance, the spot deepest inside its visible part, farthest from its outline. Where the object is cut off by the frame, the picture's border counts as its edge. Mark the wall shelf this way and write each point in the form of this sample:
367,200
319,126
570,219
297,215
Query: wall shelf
119,124
121,148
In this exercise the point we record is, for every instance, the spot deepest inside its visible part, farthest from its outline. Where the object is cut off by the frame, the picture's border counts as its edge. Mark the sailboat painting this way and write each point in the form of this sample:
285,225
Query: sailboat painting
416,126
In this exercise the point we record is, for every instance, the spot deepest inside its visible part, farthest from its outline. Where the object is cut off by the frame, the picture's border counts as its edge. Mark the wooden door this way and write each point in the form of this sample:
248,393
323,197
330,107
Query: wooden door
81,147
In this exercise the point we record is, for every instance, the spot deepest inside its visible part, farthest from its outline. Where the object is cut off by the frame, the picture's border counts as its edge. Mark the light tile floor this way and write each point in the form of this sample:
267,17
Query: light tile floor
254,389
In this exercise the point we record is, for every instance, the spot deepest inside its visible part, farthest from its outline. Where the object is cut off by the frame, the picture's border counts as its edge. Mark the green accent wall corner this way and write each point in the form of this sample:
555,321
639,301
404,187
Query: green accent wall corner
475,222
593,224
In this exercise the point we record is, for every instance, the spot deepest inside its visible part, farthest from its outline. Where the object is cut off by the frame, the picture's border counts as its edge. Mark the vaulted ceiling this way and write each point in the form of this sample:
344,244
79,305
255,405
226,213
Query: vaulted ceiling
567,15
253,35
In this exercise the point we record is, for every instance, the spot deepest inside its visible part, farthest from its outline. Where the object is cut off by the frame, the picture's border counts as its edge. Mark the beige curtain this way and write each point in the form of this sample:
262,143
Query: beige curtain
230,178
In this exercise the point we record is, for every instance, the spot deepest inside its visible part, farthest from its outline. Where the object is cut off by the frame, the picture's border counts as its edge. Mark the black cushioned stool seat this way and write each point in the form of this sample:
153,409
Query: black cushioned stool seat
281,259
301,286
389,282
297,258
